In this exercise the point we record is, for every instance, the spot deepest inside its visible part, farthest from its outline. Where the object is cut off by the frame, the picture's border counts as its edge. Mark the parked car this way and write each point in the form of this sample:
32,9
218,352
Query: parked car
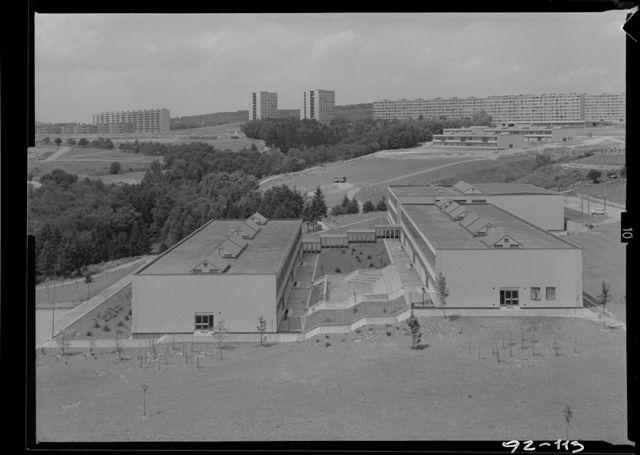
598,212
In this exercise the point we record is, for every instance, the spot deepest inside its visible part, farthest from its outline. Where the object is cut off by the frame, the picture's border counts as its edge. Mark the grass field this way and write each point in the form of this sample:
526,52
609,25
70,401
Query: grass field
359,386
608,159
90,162
615,190
346,260
603,258
360,172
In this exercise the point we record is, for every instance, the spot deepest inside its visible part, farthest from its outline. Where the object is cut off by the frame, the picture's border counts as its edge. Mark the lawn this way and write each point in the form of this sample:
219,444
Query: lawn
360,172
608,159
603,258
346,260
614,190
359,386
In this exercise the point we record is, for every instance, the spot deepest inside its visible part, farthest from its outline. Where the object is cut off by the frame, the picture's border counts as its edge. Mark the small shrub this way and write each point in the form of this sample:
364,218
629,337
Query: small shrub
337,270
126,318
388,332
317,341
89,333
95,324
129,312
326,336
371,264
106,328
358,330
120,324
343,252
327,344
369,257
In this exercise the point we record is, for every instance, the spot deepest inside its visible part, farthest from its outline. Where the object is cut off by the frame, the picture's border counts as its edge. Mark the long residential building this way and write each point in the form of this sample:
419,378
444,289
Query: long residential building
263,105
318,104
141,121
490,242
501,137
546,108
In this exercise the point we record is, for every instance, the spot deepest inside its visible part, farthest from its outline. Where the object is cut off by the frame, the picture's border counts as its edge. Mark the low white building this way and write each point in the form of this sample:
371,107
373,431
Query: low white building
235,270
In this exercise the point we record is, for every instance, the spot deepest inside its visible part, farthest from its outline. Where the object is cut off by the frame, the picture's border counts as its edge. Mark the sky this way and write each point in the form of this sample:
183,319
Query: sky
197,64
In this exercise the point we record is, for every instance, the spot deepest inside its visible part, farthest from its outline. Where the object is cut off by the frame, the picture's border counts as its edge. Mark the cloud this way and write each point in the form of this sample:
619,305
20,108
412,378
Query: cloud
344,41
474,62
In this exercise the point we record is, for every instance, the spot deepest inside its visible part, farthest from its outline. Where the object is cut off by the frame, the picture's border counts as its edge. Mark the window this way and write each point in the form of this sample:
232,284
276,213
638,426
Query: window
551,293
535,293
204,321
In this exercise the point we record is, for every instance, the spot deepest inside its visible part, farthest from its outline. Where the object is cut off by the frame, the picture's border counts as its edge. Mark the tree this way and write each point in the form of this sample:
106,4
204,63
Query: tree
381,206
353,206
603,299
568,415
416,332
71,141
220,332
337,210
58,141
83,142
46,140
262,328
542,159
368,207
594,175
623,171
443,292
481,118
88,279
319,204
115,168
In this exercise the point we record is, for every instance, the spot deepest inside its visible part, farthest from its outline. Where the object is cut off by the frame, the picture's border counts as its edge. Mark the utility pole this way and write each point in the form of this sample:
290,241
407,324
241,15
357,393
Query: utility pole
588,213
53,310
582,208
604,189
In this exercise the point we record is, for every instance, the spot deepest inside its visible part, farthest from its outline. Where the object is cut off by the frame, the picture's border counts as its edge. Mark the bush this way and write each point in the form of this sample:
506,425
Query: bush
106,328
369,257
327,344
368,207
96,325
594,175
120,324
337,270
381,206
115,168
388,332
89,333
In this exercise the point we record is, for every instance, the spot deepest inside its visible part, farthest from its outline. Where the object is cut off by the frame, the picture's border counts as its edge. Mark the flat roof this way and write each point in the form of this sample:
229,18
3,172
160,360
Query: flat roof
263,254
445,234
423,190
499,188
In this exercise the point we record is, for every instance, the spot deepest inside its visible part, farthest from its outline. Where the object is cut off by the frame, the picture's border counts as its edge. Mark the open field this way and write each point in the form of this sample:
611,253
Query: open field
607,159
346,260
360,172
89,162
366,385
614,190
603,258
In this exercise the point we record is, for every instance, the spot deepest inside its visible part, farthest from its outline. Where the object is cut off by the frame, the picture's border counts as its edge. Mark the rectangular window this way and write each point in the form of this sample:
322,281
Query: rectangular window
535,293
551,293
204,321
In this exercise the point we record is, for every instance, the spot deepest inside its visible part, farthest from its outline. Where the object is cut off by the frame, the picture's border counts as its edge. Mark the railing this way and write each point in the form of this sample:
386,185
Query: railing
342,317
291,324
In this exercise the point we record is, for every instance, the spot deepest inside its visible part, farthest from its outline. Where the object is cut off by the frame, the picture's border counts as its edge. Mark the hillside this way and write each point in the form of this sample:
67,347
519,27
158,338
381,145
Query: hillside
349,112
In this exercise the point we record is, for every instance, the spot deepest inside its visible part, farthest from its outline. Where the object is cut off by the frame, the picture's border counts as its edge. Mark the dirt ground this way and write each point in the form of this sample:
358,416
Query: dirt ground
366,385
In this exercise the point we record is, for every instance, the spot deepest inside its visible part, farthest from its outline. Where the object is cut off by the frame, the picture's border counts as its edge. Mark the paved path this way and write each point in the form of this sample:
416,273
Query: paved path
81,280
43,332
55,155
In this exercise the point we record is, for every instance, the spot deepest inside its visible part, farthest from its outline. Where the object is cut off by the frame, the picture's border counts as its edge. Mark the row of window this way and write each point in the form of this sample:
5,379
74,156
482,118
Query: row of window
550,293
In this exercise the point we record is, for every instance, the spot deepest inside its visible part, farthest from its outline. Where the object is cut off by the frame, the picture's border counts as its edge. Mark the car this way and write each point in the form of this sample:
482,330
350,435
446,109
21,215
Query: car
598,212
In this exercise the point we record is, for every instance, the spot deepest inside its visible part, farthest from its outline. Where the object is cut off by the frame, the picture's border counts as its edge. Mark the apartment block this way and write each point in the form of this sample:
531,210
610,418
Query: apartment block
141,121
477,138
606,107
318,104
540,109
263,105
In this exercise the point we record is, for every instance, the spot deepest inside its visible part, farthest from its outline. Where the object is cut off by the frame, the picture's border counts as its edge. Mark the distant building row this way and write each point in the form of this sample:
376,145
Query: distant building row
315,104
142,121
556,108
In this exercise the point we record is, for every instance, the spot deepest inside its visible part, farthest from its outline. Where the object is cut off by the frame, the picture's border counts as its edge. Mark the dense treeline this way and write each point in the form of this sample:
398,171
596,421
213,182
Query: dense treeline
81,222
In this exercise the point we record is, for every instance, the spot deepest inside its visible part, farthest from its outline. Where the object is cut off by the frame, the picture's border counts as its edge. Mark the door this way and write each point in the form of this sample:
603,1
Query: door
509,297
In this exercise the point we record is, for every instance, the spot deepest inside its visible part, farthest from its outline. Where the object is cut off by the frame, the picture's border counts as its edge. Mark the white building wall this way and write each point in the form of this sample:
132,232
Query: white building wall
168,303
474,277
543,210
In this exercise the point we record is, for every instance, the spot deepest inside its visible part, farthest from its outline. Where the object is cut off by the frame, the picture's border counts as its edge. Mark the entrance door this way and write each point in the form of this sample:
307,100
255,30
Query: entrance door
509,297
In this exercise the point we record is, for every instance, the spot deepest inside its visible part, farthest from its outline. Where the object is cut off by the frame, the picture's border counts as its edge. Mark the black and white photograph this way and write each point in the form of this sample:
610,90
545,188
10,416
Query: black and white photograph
330,227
